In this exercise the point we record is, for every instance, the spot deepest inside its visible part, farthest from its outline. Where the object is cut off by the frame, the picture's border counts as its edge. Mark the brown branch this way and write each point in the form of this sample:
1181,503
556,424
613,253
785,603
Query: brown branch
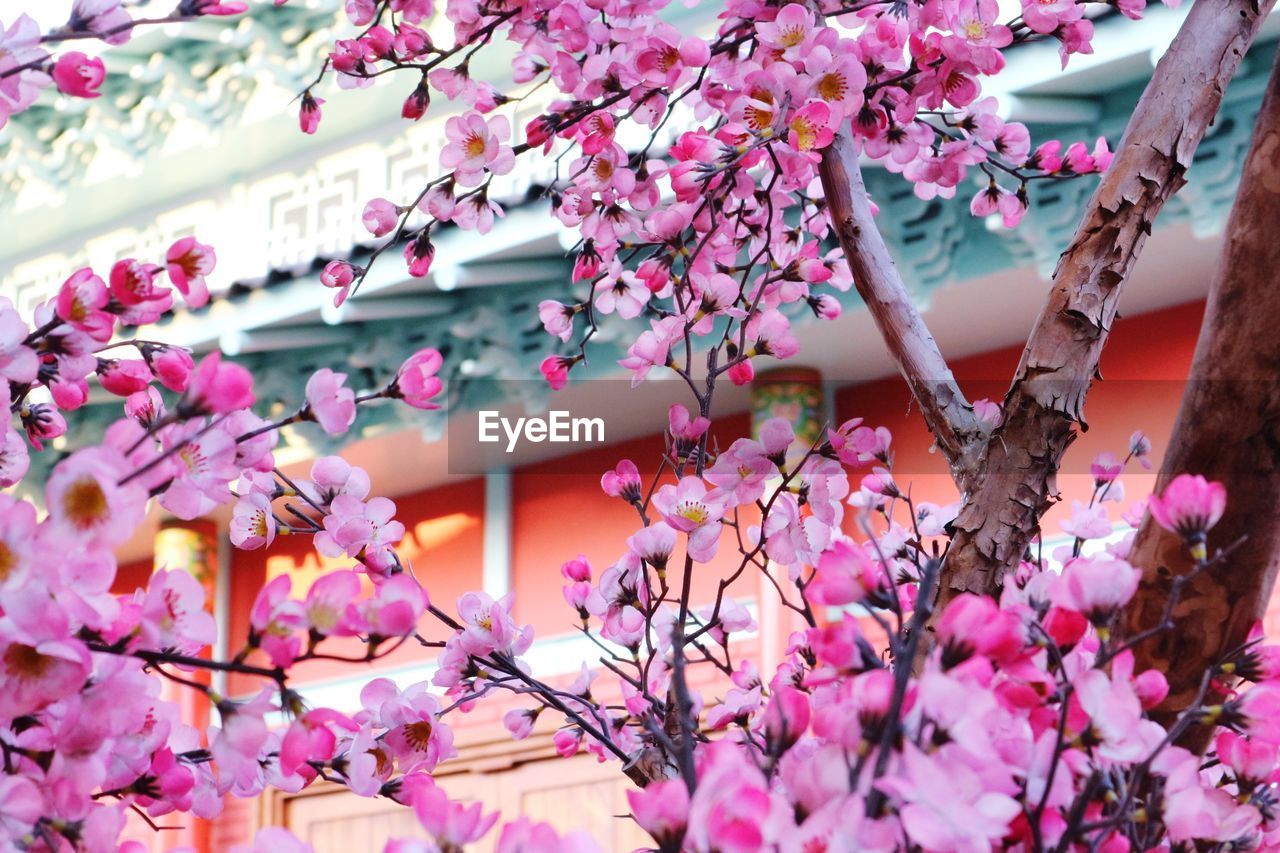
947,413
1046,401
1228,429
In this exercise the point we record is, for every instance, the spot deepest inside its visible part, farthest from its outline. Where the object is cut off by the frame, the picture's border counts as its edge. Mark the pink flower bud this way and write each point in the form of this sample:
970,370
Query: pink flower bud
786,718
69,394
662,810
519,722
309,114
555,369
331,403
577,570
171,365
415,106
825,307
380,217
124,376
567,742
78,76
742,373
217,387
1151,688
622,482
417,383
42,422
419,254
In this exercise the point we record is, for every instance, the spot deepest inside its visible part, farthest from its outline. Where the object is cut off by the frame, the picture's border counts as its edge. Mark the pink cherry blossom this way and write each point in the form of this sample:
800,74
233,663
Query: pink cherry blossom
688,508
188,262
1087,522
173,614
654,544
845,574
327,601
14,459
451,824
476,145
419,253
358,528
1189,506
789,31
622,482
662,810
488,625
556,318
123,377
252,523
626,294
519,722
330,401
81,301
18,362
810,127
42,423
1097,587
38,669
89,503
555,369
686,429
171,365
1106,468
107,18
740,473
393,611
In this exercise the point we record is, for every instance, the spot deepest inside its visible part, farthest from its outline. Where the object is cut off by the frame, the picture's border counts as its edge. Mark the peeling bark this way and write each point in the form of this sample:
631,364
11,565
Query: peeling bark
1228,429
1015,481
912,347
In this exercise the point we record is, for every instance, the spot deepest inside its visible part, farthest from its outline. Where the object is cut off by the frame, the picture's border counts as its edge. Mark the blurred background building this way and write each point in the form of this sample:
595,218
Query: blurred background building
195,134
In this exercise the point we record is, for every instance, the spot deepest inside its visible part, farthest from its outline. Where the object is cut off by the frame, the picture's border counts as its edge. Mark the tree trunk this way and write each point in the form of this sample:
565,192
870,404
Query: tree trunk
1227,429
1016,478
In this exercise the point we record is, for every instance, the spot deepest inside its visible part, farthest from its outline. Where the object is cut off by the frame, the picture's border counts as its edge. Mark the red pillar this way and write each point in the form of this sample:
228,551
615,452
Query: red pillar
795,394
190,546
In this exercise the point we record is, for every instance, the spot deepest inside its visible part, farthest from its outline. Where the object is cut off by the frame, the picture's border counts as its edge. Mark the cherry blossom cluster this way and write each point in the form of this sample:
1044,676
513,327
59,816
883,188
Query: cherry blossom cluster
1020,723
666,226
32,60
188,440
1016,723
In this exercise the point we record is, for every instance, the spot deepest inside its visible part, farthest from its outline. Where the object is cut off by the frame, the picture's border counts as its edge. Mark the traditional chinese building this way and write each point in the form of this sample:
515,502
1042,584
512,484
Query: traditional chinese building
196,135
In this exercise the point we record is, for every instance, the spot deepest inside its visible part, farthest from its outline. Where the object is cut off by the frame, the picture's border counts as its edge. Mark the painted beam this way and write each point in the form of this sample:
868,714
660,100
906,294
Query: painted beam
240,342
367,309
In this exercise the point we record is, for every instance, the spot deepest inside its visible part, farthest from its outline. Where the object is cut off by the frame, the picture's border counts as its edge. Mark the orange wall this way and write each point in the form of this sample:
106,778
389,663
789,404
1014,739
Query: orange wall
1144,365
443,544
